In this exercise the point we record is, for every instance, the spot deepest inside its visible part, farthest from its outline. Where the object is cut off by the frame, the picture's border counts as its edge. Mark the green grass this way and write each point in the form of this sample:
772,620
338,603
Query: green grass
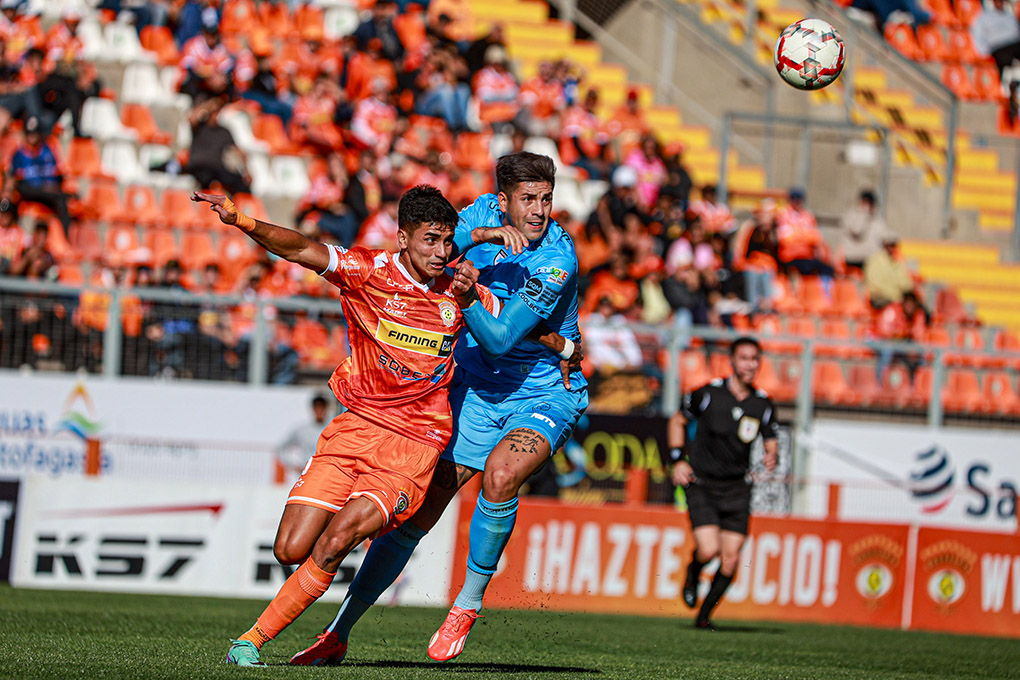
57,634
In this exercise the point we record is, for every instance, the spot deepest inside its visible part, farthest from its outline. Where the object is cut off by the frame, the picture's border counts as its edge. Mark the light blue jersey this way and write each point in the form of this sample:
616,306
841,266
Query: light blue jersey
544,277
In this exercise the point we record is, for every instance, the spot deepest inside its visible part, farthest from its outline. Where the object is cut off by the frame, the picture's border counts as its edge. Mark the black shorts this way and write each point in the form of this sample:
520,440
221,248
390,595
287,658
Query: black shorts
725,504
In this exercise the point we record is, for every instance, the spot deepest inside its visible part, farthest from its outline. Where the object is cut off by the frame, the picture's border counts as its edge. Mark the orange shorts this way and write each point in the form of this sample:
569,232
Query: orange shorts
354,458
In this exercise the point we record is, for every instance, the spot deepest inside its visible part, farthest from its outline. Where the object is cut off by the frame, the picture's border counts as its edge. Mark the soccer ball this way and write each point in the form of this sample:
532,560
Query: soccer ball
809,54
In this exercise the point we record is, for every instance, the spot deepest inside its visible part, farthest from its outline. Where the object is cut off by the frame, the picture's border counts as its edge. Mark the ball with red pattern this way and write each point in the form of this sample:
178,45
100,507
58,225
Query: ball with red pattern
809,54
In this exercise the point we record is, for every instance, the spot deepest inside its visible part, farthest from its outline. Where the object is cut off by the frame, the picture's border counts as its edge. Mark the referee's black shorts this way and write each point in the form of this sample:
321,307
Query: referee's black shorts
722,503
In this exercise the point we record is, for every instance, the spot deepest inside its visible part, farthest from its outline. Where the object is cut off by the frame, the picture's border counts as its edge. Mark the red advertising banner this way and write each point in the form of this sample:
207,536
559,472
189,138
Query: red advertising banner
633,560
967,582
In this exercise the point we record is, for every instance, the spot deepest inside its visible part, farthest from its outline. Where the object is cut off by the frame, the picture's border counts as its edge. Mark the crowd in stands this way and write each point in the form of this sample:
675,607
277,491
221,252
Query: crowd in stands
404,99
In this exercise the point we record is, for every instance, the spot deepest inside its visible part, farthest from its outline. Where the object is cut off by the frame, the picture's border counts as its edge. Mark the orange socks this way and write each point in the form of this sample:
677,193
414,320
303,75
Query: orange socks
304,587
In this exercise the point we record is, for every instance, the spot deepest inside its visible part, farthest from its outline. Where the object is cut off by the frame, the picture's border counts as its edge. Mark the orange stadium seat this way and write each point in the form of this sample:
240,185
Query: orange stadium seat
948,307
921,388
139,118
270,130
251,206
986,83
719,363
86,241
802,327
239,17
896,387
160,41
971,339
955,78
1005,341
961,47
162,243
121,244
932,43
101,201
902,38
472,151
1000,395
839,329
812,295
309,20
962,392
847,301
177,209
83,158
783,299
236,252
863,383
693,370
830,386
938,336
139,206
942,12
768,326
311,341
197,250
71,274
966,10
769,380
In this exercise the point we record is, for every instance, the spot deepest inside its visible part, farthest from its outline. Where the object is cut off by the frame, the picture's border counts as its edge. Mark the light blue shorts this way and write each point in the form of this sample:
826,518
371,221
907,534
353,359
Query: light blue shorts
481,418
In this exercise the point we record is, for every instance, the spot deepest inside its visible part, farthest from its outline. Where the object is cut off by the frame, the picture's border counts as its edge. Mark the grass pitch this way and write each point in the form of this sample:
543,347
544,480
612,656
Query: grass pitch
58,634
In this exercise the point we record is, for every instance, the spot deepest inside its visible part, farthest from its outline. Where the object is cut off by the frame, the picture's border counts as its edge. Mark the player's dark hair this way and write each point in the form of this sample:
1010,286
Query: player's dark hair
319,400
515,168
744,340
425,205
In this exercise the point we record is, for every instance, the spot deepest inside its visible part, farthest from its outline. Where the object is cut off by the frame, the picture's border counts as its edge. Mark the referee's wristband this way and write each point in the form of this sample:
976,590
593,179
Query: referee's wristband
568,349
676,454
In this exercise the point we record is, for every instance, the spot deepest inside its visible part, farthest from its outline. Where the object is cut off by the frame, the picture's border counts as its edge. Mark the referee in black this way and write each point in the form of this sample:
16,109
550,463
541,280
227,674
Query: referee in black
729,414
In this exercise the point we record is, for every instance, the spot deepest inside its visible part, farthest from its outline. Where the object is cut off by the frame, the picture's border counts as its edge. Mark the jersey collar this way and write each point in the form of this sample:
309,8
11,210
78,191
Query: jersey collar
400,267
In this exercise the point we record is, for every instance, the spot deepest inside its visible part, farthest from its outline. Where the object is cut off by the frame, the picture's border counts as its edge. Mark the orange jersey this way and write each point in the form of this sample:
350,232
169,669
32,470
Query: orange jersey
402,334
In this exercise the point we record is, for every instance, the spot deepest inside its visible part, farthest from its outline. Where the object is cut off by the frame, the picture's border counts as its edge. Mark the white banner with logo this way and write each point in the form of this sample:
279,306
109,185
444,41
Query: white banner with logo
184,539
145,429
952,477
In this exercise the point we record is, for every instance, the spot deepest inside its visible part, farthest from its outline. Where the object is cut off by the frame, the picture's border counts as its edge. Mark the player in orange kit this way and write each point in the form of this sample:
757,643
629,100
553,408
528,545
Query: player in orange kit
373,463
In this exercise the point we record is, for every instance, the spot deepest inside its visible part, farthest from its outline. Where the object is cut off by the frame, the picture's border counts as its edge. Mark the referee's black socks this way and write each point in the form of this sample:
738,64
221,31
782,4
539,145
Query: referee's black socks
719,585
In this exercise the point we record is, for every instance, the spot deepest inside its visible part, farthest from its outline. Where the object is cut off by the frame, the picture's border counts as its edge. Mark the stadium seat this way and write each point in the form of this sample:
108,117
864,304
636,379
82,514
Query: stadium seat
863,384
90,32
932,43
962,393
954,76
261,175
121,244
251,206
839,329
83,158
101,201
342,21
289,176
769,326
812,296
961,47
472,151
694,370
948,307
71,274
139,206
236,252
847,301
269,129
986,83
122,44
309,19
138,117
99,118
942,11
1000,395
1006,341
311,341
902,38
719,364
161,243
177,209
197,250
121,160
770,379
160,41
783,299
966,10
971,339
830,386
896,387
938,336
239,124
921,387
239,17
86,240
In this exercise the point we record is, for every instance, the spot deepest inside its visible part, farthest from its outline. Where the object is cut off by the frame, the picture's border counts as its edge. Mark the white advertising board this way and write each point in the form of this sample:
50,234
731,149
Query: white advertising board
147,429
951,477
184,539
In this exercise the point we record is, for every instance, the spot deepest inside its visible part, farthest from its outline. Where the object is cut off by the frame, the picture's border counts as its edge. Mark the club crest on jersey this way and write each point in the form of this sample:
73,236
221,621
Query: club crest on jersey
737,412
402,502
447,312
747,429
500,256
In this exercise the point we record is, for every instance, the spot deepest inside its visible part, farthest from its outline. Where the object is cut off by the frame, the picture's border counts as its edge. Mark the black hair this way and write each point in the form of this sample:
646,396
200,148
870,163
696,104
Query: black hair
318,400
744,340
515,168
911,295
869,196
425,205
41,225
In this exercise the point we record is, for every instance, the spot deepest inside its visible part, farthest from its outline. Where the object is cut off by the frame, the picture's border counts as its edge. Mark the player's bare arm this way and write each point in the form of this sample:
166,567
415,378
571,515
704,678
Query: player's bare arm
291,245
771,458
683,473
506,236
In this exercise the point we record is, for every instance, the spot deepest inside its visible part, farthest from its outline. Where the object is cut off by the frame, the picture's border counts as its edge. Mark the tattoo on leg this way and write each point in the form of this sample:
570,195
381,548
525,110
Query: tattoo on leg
523,440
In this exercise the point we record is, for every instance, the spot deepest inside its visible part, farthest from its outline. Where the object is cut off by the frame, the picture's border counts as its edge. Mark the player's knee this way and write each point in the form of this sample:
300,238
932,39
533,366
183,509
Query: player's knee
335,546
707,553
728,562
500,484
289,552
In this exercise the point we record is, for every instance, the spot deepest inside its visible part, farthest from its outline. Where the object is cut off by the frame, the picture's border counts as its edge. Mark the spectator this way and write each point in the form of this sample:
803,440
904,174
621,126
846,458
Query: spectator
614,285
801,248
615,205
441,93
610,344
18,98
17,28
583,143
475,54
885,277
326,197
214,156
715,216
882,9
314,115
188,19
375,119
627,127
651,171
364,193
365,69
38,173
655,308
270,92
862,230
996,34
692,249
678,183
544,101
36,261
71,79
756,251
687,298
380,26
496,90
12,238
206,63
904,321
380,230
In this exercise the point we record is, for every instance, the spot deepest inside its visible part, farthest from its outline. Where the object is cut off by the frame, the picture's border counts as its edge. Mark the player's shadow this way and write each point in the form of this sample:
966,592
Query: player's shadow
508,668
751,629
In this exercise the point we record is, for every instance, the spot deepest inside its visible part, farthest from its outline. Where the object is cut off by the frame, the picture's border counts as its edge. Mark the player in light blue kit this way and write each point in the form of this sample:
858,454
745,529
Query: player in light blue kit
511,407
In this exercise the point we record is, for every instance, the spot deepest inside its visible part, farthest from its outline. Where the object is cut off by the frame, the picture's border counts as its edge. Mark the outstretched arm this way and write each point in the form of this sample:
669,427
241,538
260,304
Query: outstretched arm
291,245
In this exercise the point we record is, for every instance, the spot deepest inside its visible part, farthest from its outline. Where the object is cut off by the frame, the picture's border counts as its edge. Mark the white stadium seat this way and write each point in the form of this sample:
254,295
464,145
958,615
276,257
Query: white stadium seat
341,21
121,160
547,147
290,176
261,175
91,34
100,119
239,124
122,44
142,85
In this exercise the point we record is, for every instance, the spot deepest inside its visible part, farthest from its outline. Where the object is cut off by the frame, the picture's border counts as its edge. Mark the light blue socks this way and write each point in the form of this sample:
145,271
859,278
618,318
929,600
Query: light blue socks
491,526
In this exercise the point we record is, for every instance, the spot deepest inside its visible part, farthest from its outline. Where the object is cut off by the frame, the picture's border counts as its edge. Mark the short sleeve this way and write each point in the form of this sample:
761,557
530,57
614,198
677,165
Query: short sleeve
769,426
695,403
348,268
547,277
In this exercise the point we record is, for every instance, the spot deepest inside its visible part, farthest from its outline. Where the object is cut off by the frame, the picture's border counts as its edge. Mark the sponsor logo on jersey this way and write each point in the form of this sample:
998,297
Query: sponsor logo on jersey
402,286
414,339
534,287
545,419
350,264
747,429
447,312
402,502
556,275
